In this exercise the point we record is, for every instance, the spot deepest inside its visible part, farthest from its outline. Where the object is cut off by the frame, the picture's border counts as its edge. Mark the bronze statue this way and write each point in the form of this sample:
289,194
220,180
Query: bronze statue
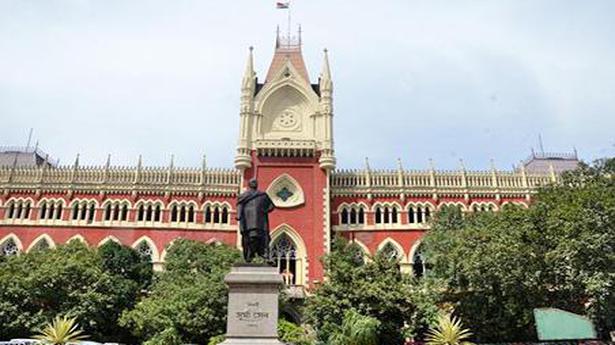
253,207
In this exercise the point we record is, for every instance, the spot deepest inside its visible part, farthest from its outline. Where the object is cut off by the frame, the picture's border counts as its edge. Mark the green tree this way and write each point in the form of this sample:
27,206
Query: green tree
356,329
189,299
374,288
558,253
126,262
68,280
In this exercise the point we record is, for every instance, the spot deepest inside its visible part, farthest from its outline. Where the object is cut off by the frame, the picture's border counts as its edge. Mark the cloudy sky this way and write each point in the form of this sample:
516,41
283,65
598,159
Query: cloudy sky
413,79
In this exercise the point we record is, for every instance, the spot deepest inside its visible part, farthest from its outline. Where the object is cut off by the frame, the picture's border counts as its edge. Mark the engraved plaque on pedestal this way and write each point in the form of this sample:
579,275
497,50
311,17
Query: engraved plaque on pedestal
253,305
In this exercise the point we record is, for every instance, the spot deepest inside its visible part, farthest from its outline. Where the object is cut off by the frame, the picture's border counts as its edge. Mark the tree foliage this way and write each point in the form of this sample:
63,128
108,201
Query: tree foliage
188,301
560,252
374,288
69,280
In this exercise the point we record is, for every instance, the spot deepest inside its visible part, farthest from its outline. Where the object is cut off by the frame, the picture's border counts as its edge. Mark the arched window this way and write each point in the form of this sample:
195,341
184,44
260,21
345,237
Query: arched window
145,251
361,216
174,213
207,214
353,216
394,215
411,218
390,252
419,214
344,216
191,214
18,209
157,213
284,253
420,266
378,216
224,215
141,213
216,215
42,244
9,248
124,215
427,214
386,215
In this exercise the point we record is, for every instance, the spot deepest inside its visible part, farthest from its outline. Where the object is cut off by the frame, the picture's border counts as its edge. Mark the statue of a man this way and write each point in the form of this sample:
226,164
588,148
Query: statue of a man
253,207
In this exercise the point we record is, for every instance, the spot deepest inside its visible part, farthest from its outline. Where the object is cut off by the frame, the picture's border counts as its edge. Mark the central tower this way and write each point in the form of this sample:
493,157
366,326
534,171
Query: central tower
286,142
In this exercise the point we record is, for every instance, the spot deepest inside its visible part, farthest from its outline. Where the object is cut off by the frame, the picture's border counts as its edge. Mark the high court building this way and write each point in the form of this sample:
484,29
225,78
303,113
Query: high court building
286,141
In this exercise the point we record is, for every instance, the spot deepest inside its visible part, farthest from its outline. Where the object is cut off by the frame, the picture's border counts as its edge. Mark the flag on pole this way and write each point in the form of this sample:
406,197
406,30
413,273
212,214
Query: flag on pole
282,5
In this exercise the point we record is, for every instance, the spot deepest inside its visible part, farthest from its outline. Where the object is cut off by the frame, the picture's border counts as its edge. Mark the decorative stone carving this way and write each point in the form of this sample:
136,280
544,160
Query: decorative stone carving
286,192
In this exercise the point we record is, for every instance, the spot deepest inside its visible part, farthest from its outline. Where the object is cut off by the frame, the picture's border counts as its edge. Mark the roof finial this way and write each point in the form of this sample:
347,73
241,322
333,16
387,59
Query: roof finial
326,70
461,164
399,165
140,161
248,75
76,161
367,163
204,166
108,163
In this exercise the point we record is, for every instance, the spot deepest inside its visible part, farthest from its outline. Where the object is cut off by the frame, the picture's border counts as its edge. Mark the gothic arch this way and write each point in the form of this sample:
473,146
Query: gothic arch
459,204
53,200
151,245
396,245
15,239
107,239
515,203
300,255
77,238
43,237
480,206
286,192
362,246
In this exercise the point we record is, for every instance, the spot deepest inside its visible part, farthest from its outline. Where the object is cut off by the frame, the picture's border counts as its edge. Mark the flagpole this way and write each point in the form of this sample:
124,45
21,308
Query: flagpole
289,23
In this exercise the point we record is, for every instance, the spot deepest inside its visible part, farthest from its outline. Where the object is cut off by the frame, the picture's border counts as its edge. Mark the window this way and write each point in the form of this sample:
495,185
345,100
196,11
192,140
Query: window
182,213
50,209
386,214
353,214
283,252
419,214
83,210
9,248
145,251
42,244
149,211
420,265
116,211
18,209
217,214
390,252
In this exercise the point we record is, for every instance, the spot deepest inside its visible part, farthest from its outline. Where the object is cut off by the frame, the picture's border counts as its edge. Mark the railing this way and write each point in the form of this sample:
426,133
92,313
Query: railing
401,180
121,178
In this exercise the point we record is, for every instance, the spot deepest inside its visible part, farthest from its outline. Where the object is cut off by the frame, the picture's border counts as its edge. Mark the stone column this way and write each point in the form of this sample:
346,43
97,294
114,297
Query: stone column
253,305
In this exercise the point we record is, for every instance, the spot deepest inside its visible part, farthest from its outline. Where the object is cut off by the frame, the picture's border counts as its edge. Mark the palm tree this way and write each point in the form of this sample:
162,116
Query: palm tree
60,331
448,331
356,329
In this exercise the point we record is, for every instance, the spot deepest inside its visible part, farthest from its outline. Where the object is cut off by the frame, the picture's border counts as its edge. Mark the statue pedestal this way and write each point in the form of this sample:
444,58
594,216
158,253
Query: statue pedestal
252,305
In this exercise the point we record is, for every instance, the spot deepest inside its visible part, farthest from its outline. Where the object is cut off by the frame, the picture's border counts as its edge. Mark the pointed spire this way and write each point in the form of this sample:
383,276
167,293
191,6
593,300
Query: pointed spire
76,161
462,165
367,164
140,162
204,164
172,163
399,165
249,74
432,166
325,76
108,162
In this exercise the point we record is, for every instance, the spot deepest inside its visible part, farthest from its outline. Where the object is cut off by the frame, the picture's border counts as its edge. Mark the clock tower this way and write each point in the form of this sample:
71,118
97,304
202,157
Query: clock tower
286,142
